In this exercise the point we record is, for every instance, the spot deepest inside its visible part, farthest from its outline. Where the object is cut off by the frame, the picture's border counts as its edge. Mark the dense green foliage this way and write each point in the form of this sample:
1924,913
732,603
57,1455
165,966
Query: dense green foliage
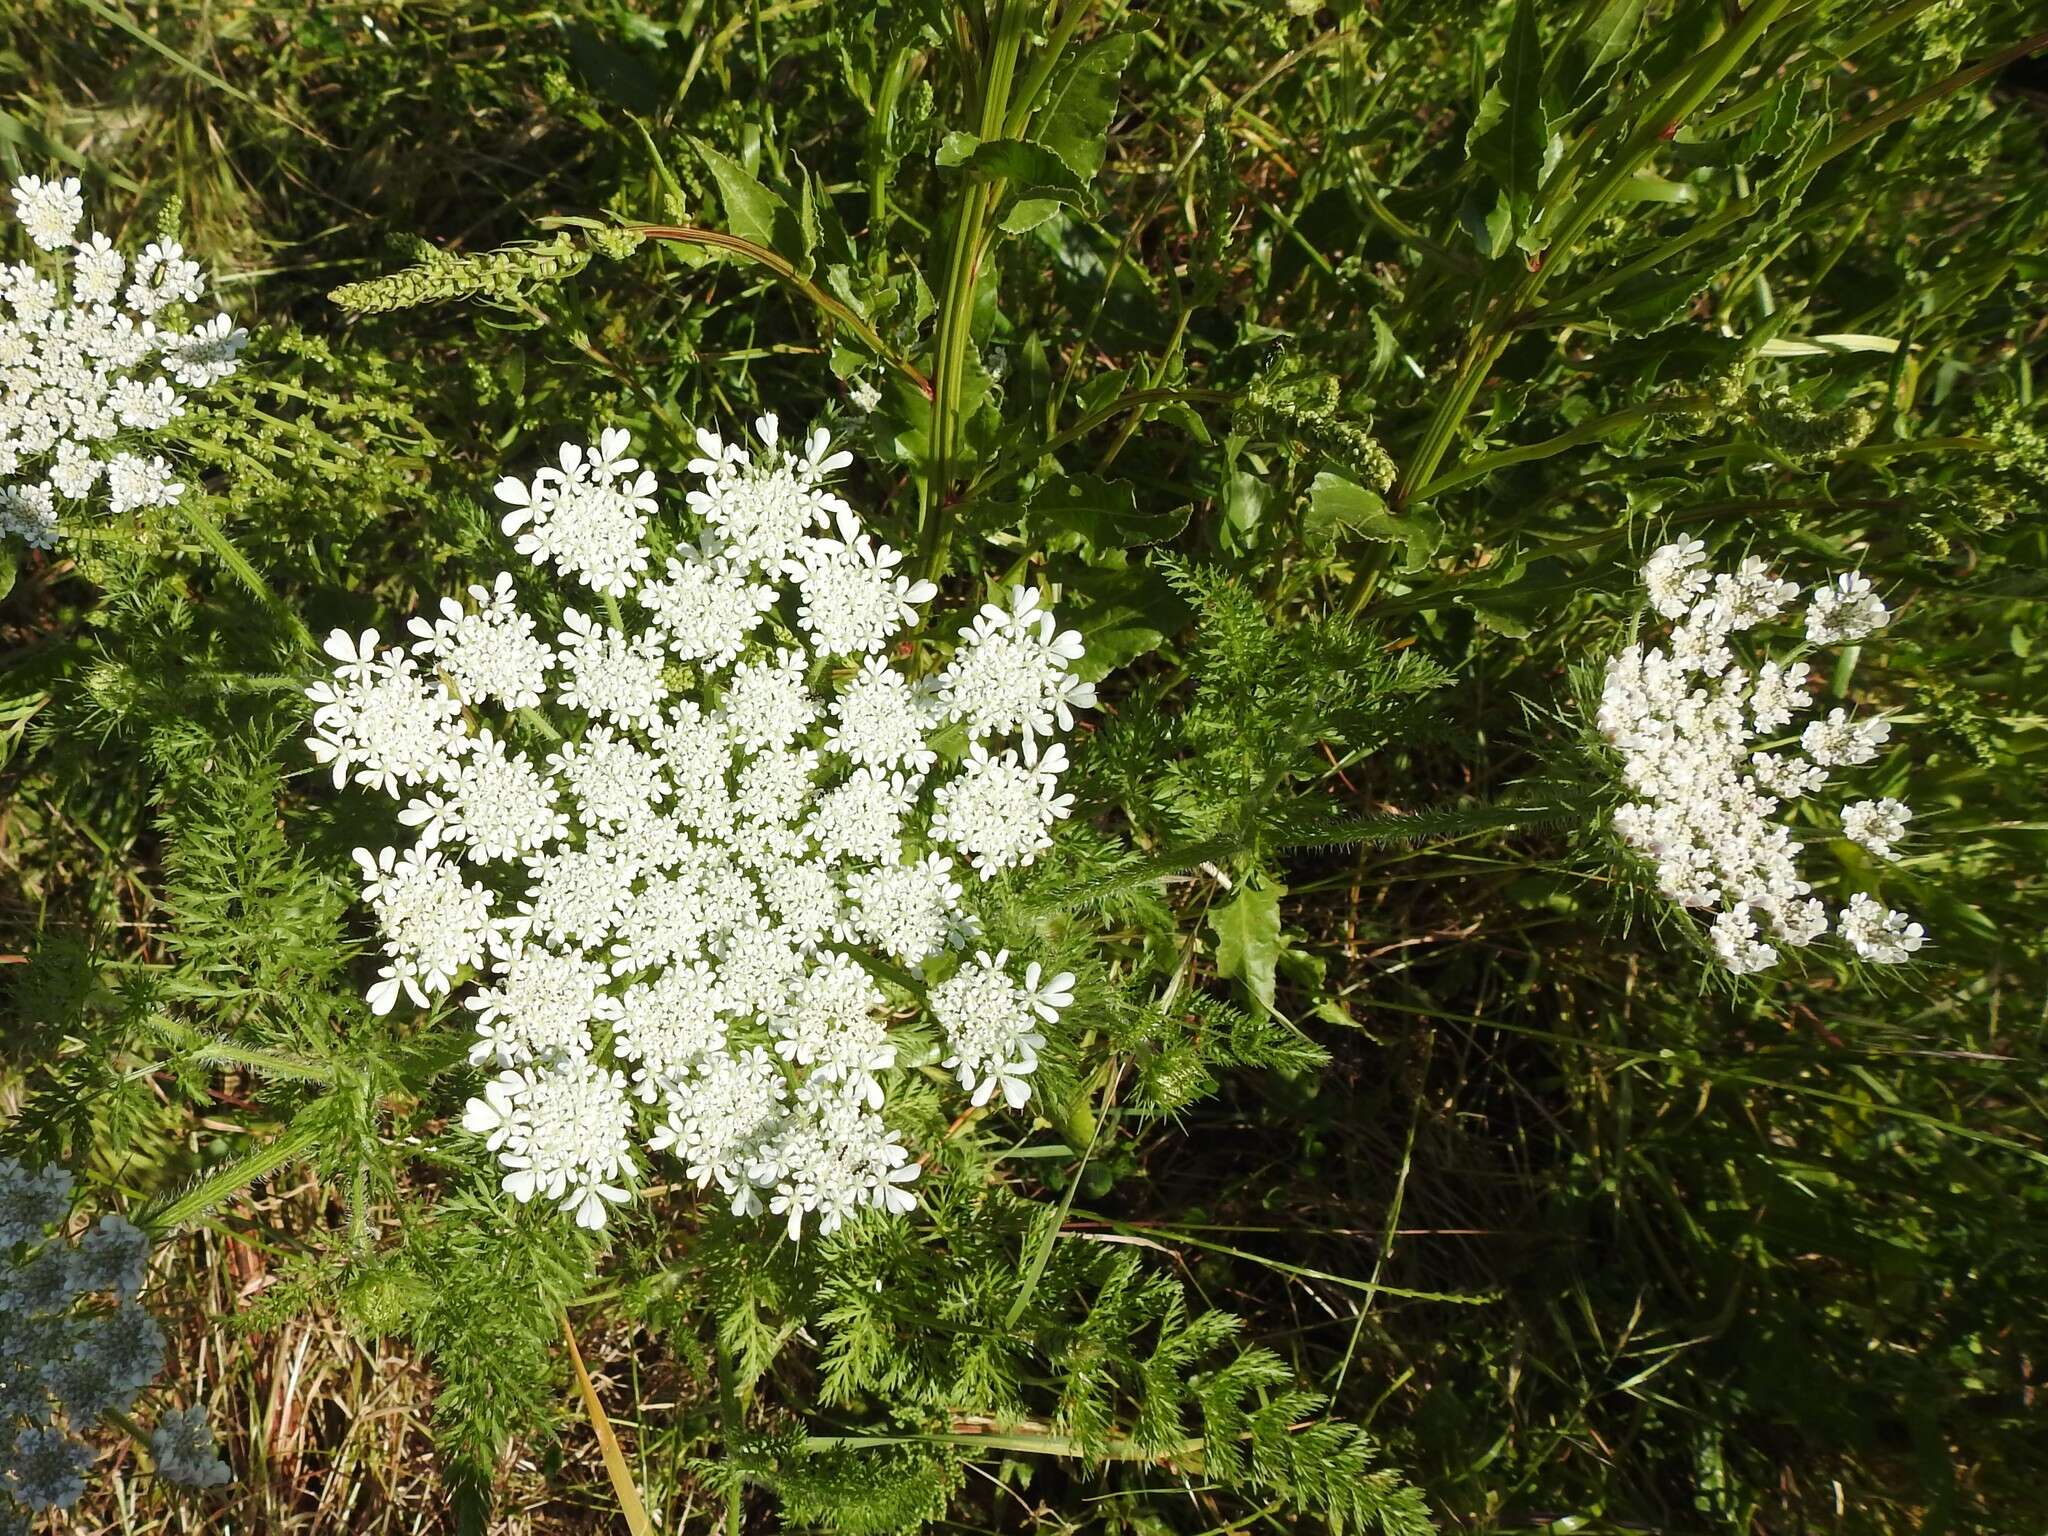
1401,1161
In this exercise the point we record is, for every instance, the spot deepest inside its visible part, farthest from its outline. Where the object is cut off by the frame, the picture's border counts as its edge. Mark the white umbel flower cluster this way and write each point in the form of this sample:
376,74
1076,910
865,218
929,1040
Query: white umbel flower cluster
1706,758
95,356
703,842
75,1345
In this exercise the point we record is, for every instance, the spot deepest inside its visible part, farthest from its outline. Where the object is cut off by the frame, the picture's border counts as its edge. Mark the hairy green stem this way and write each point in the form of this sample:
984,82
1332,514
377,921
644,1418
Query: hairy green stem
225,1053
237,1176
1114,1448
729,1427
224,550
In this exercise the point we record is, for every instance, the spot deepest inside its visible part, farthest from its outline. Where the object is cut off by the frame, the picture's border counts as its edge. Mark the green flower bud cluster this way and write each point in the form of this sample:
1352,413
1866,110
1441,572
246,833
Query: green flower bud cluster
1980,503
1288,401
382,1297
1703,403
1208,259
1956,714
1927,542
1993,507
2018,446
1800,431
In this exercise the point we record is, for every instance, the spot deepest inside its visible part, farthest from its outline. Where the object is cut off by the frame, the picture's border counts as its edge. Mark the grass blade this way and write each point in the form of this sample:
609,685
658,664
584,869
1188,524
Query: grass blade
614,1458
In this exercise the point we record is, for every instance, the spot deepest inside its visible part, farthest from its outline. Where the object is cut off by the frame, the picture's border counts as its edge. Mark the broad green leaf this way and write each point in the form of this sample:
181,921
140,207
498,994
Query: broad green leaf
1244,506
1121,615
1611,33
1772,132
1099,392
1104,513
1386,346
1651,301
1509,134
956,147
1589,60
1338,506
752,211
1080,100
809,231
1500,617
904,403
977,403
1027,391
843,280
1787,181
1033,172
1029,214
1248,938
1183,416
1492,107
1512,604
1121,637
1491,225
1826,346
1644,187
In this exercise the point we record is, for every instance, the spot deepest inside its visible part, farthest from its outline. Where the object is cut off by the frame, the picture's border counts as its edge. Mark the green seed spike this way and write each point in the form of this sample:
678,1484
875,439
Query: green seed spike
494,277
